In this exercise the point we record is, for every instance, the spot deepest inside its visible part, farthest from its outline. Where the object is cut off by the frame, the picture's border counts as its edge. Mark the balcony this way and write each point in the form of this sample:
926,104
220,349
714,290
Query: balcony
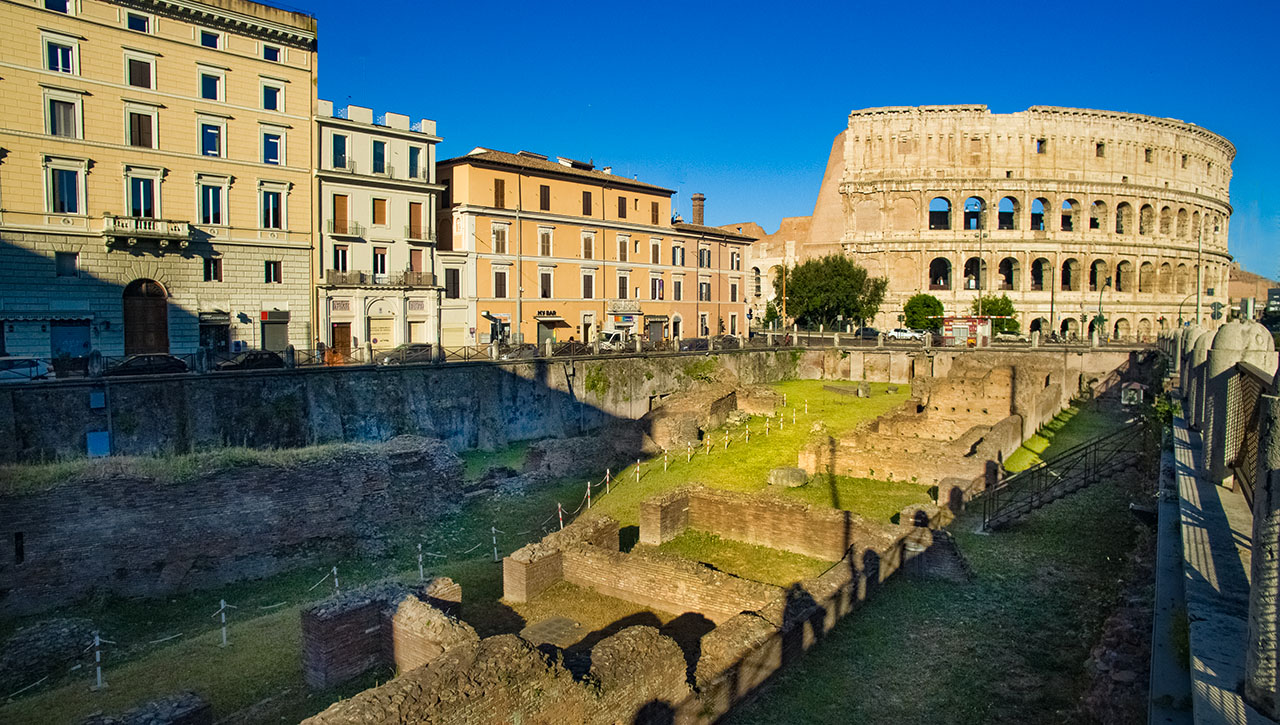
344,228
418,234
130,230
339,278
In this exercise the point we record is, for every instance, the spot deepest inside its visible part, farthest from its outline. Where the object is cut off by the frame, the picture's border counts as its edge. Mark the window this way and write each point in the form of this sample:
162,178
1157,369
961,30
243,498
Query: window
544,284
655,288
272,272
380,212
415,260
65,186
544,197
623,245
622,208
138,72
586,203
498,236
500,283
379,157
142,197
653,207
272,148
66,264
544,241
379,260
415,220
735,261
733,291
588,285
340,257
452,283
500,193
1042,145
415,163
142,129
211,204
588,246
138,22
212,269
271,53
704,291
272,97
624,281
1100,150
1184,161
339,152
677,256
58,6
704,257
210,39
677,290
1148,155
210,85
272,209
60,56
211,139
655,252
63,118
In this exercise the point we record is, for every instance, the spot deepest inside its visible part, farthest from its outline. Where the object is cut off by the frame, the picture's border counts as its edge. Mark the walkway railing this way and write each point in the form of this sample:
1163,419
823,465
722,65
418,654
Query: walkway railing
1244,391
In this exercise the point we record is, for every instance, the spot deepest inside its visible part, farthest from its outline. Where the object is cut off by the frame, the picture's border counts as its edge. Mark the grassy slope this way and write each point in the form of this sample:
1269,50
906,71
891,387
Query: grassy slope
1067,429
759,563
1006,647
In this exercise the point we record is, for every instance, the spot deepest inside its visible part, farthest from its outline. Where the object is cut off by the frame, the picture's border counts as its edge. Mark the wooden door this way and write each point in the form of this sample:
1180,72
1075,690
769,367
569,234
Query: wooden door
146,318
342,338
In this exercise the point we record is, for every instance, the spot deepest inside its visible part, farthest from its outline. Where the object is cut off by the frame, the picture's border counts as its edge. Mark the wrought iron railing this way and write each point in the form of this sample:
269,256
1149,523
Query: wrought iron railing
1244,391
343,278
345,228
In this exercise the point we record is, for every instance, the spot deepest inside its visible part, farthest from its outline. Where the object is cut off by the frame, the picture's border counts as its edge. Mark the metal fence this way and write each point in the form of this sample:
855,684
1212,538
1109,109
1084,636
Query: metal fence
1245,389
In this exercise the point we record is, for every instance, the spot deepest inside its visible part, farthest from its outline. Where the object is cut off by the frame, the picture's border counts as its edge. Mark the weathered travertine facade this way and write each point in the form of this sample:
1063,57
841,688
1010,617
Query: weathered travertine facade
1065,210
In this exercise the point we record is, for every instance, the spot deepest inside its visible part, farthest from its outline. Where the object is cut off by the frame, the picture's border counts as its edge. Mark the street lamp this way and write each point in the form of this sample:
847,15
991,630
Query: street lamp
1102,320
1180,304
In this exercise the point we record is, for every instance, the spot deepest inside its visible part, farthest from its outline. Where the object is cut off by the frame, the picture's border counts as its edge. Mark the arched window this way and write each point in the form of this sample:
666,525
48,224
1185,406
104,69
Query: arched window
755,280
940,213
1144,329
1009,271
1041,274
1072,275
1195,224
1098,275
975,213
1122,329
1037,214
1008,217
1097,215
1070,213
975,274
1184,224
1182,276
1070,328
1146,220
1166,222
1039,325
1124,218
1124,276
146,317
1165,277
940,274
1147,277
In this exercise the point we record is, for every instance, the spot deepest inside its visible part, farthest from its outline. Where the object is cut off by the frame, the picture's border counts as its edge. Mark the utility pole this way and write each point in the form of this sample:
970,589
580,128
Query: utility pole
1199,267
519,333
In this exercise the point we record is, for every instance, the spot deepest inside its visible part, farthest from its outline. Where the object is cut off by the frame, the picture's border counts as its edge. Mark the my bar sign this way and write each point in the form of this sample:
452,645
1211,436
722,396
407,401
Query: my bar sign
546,313
275,315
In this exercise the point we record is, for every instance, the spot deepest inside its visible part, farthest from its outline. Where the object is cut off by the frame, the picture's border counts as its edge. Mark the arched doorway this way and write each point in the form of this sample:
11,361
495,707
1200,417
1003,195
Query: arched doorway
146,317
1070,328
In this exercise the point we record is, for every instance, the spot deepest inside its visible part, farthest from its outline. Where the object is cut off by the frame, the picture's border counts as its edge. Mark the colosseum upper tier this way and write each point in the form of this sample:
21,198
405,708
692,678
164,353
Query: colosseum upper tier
1063,209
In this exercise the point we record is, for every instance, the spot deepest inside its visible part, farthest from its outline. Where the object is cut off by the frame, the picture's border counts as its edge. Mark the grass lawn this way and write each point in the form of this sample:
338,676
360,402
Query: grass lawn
877,500
1069,428
1007,647
749,561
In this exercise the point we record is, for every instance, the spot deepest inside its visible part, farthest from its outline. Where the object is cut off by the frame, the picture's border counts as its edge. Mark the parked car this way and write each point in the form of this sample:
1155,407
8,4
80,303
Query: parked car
147,364
902,333
868,333
252,360
615,341
23,369
691,344
1011,337
411,352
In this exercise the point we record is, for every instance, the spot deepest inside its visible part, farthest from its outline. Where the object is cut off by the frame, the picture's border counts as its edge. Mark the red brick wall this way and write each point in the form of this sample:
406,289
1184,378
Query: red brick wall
341,645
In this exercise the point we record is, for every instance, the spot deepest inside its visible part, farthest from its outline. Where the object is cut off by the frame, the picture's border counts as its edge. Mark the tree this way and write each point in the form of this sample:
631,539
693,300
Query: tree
770,314
823,291
923,312
1002,306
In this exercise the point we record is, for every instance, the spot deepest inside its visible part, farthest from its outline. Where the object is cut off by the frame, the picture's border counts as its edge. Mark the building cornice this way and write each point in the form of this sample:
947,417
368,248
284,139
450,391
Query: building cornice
230,20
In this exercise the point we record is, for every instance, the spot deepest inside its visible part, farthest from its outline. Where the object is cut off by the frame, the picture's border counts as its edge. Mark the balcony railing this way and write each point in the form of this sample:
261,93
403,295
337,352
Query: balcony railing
135,228
340,278
418,234
348,165
345,228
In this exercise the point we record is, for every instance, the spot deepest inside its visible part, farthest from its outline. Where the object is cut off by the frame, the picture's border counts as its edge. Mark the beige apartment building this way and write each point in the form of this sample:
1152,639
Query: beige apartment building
155,176
378,198
534,249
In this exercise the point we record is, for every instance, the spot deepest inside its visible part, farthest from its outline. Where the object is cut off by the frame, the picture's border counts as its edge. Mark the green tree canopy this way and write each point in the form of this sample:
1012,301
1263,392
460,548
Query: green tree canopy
992,306
821,291
923,312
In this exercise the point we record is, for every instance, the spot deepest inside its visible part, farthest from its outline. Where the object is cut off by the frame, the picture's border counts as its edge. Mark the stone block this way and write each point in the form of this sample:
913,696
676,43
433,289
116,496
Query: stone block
791,477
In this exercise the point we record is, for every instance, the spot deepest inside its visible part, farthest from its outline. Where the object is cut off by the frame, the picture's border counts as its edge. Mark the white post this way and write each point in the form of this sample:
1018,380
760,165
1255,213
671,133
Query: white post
588,494
222,610
494,529
97,662
335,581
766,427
707,440
748,439
637,470
688,452
793,415
664,460
806,407
606,480
560,513
726,440
420,576
784,400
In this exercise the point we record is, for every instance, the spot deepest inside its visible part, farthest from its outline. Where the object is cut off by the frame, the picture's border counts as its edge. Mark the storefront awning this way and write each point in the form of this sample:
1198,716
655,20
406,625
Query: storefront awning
552,320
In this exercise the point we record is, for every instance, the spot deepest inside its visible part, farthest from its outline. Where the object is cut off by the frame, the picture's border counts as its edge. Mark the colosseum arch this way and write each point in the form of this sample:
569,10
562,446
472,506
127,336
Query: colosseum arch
940,274
1039,206
1072,275
867,216
940,213
1009,273
1039,325
1098,215
975,273
1070,215
1099,274
1041,274
1008,215
1121,330
1184,228
1147,277
1165,278
1182,286
1070,328
1124,218
1144,329
1146,220
1166,222
1124,276
975,213
755,281
1195,224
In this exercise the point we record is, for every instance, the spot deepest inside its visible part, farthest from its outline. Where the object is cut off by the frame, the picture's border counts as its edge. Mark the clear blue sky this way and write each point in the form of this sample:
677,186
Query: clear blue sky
740,101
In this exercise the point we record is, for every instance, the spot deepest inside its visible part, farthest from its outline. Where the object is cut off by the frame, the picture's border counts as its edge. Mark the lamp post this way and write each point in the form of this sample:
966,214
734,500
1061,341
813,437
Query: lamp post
1101,320
982,264
1180,304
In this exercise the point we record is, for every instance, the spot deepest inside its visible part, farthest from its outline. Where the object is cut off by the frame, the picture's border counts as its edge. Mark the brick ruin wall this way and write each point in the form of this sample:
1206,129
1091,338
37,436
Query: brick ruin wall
121,533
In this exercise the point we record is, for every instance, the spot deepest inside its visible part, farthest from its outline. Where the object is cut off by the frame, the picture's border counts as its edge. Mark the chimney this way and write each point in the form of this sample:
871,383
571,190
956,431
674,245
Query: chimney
698,202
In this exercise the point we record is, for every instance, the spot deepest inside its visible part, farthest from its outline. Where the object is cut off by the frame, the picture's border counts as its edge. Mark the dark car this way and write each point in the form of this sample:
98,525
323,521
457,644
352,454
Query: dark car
690,344
412,352
252,360
147,364
868,333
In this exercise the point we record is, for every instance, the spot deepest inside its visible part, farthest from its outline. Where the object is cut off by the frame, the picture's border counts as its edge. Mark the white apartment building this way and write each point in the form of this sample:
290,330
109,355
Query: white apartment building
377,195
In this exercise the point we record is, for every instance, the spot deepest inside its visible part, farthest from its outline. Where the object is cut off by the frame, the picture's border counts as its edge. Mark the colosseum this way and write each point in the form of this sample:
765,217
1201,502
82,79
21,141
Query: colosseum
1068,211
